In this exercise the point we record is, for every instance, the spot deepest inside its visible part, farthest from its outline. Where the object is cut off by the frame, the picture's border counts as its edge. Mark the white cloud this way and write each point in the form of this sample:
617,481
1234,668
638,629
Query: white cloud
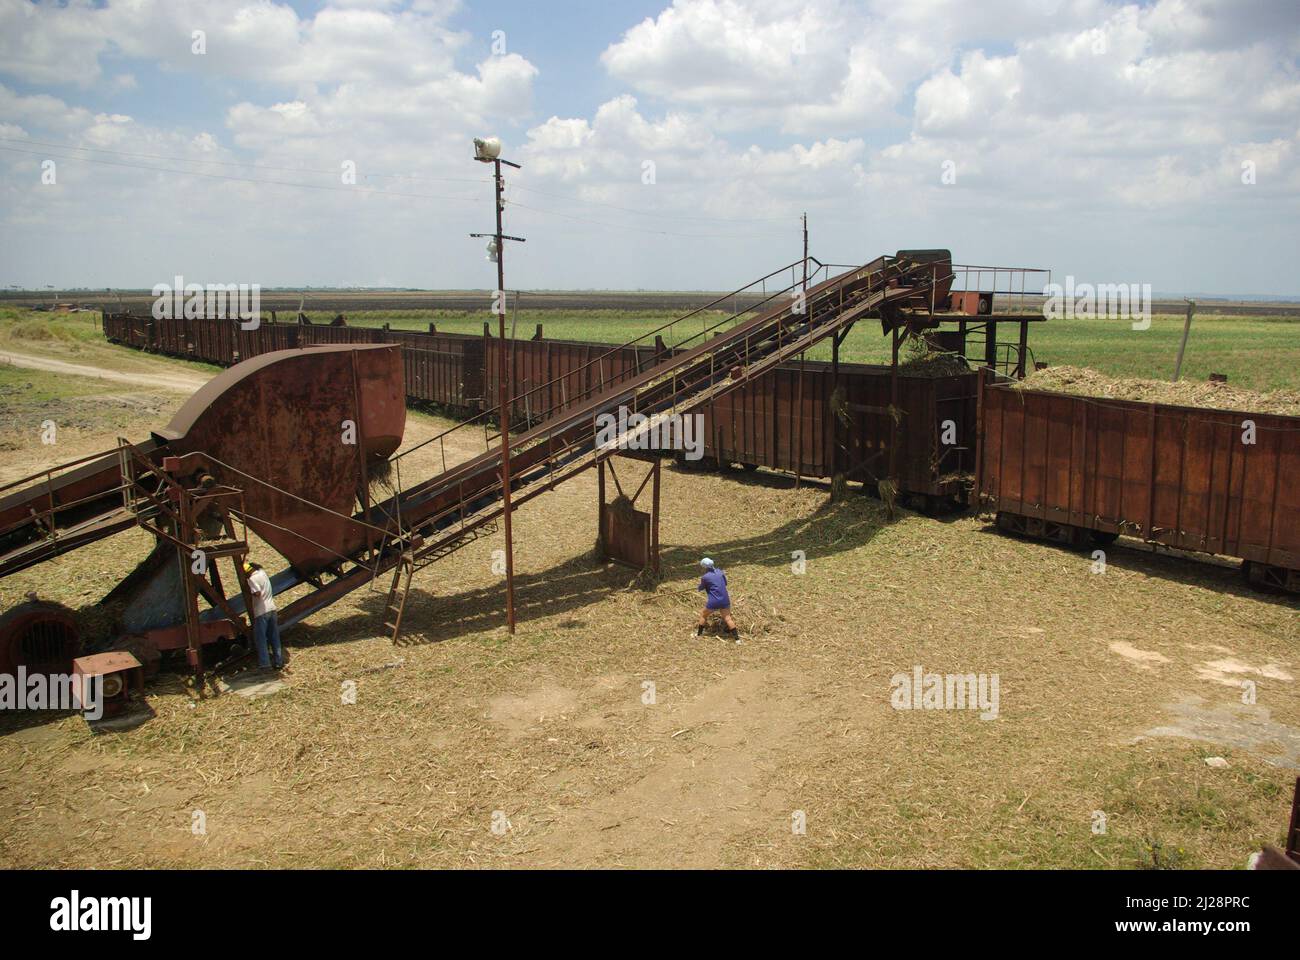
42,111
962,103
1111,112
697,174
1065,121
60,44
771,61
820,66
378,85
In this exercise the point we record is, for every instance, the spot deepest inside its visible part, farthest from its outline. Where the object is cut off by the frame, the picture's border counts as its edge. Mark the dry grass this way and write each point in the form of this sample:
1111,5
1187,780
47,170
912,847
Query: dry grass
1187,393
552,729
919,359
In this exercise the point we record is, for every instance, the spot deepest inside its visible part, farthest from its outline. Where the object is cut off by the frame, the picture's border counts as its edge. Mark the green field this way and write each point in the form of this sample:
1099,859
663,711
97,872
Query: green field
1257,352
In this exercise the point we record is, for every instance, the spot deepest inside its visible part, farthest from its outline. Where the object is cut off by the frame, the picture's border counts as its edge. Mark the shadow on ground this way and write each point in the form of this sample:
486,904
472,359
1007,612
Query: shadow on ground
577,583
1190,569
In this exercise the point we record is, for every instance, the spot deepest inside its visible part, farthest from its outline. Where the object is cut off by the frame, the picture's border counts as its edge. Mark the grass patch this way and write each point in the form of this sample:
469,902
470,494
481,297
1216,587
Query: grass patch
1256,352
20,325
77,338
33,388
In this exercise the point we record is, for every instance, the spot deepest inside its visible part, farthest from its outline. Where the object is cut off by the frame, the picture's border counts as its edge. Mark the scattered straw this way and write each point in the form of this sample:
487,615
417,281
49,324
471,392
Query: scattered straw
840,404
552,726
888,492
922,360
1188,393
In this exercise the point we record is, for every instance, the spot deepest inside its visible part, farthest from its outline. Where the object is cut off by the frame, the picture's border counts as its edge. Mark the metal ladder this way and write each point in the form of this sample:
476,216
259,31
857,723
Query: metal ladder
409,563
397,594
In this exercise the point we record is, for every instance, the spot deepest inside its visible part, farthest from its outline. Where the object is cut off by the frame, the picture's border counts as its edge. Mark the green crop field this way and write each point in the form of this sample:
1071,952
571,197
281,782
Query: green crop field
1256,352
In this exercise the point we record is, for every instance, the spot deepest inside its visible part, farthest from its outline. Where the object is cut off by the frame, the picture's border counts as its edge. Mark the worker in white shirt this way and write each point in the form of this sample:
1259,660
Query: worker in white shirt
265,625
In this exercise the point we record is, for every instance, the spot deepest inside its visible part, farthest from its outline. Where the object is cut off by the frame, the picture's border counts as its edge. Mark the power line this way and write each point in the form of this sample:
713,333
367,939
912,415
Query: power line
664,233
223,176
239,163
651,213
400,176
377,192
674,216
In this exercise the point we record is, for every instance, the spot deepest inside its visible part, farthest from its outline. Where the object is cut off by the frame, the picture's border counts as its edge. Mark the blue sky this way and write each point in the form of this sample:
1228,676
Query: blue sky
665,144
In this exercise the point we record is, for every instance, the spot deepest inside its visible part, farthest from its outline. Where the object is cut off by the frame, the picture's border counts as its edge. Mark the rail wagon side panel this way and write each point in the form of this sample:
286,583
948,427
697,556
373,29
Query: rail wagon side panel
444,369
1181,476
553,375
776,423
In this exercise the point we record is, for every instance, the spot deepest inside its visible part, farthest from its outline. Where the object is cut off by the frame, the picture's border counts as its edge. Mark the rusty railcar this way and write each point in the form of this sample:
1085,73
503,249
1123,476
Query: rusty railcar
784,421
445,369
550,376
1075,468
127,329
115,326
320,333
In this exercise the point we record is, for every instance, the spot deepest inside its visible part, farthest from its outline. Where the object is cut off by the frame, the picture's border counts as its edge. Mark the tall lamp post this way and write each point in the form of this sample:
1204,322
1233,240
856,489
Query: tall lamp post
489,151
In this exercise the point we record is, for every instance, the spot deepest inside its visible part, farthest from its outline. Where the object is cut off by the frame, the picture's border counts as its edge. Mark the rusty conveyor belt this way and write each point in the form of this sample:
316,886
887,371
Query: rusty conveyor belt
69,507
432,515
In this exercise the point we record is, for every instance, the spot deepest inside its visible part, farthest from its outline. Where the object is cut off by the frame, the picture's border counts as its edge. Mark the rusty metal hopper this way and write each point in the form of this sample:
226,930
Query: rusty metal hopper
275,426
299,431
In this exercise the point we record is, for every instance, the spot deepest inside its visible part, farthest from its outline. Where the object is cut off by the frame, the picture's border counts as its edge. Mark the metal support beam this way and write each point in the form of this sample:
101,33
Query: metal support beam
654,520
600,511
837,470
893,409
1182,344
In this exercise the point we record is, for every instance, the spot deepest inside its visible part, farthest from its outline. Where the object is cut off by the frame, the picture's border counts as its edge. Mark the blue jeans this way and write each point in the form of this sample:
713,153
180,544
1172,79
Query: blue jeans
264,627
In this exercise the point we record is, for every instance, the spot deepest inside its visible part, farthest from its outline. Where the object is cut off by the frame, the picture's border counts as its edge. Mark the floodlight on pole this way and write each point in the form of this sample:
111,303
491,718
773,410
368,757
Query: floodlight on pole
488,150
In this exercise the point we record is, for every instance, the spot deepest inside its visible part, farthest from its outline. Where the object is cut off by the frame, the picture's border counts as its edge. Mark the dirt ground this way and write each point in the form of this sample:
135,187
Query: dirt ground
604,733
92,392
185,383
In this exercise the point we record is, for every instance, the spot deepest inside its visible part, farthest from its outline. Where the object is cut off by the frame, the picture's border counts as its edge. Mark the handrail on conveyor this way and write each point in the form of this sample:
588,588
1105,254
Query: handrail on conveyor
478,464
47,473
487,413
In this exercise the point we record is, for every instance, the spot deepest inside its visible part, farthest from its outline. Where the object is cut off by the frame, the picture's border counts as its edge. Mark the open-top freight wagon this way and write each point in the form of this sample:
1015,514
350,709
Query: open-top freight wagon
1082,469
225,342
787,421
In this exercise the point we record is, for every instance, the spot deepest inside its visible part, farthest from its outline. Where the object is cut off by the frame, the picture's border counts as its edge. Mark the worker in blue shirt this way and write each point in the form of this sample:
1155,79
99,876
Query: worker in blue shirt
714,584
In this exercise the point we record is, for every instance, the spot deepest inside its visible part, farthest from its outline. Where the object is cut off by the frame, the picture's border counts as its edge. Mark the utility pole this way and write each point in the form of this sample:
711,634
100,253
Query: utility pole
805,265
489,151
1182,345
798,423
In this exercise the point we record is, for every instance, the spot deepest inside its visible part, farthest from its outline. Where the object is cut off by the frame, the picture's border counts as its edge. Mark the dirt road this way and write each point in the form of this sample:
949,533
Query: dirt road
180,382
